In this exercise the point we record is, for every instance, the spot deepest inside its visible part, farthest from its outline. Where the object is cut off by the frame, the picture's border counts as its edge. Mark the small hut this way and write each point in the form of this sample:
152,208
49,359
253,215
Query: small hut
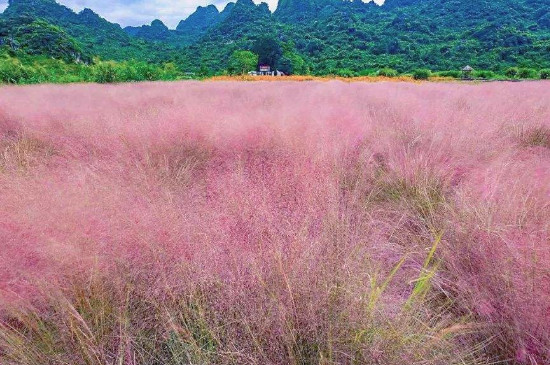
467,72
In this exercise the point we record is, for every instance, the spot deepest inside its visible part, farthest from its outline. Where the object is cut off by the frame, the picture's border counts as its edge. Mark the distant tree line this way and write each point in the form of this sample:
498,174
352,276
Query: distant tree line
18,67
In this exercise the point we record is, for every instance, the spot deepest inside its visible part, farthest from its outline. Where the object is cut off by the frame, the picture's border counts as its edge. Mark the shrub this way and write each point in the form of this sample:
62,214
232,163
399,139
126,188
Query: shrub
387,72
204,71
85,73
125,72
105,72
527,73
12,71
170,71
453,73
484,74
345,72
146,71
511,72
368,72
37,74
545,74
139,71
422,74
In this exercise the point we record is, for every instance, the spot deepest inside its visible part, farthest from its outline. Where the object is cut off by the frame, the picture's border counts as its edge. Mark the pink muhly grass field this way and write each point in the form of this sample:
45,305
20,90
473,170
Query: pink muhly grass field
275,223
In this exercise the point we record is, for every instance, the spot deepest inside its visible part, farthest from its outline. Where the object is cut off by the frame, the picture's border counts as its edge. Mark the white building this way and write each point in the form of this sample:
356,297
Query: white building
265,70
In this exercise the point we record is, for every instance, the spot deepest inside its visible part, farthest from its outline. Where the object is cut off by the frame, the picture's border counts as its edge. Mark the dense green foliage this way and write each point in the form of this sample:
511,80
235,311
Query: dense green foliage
511,72
421,74
387,72
37,37
21,68
242,62
269,51
322,37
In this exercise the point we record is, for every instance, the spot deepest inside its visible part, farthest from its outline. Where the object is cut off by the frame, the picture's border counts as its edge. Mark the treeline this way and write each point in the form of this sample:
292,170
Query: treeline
512,73
19,68
36,70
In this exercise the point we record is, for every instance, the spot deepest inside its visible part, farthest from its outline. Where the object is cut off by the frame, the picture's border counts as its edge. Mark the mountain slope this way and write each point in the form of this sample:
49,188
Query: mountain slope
157,31
204,18
436,34
38,37
332,36
299,10
240,25
96,35
188,31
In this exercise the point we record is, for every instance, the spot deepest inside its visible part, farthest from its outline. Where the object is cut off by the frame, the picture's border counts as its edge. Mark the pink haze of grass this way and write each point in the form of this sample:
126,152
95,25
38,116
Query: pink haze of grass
276,206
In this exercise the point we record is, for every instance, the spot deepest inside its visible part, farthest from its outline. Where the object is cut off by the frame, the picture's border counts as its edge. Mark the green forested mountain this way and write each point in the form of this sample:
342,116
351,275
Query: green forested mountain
93,34
317,36
203,19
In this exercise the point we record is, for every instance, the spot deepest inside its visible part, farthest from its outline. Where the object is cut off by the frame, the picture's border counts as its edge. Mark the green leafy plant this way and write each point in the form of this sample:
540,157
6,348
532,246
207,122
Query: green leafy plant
345,72
387,72
453,73
105,72
12,71
242,62
484,74
422,74
511,72
527,73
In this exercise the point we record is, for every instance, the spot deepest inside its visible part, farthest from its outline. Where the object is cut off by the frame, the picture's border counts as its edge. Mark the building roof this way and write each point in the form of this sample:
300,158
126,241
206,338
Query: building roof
467,68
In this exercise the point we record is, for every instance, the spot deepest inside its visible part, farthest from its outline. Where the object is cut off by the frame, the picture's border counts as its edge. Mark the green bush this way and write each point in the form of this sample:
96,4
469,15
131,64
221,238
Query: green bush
125,72
146,71
484,74
241,62
422,74
453,73
545,74
511,72
345,72
527,73
368,72
12,71
387,72
105,72
170,72
37,74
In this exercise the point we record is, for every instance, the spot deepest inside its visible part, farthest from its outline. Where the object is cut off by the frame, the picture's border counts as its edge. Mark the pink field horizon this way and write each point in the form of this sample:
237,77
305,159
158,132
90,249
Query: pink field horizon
275,223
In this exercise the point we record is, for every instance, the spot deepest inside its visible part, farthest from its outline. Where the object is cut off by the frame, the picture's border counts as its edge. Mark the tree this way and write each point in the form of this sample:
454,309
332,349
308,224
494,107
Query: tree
292,63
285,65
242,62
269,51
204,71
170,71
